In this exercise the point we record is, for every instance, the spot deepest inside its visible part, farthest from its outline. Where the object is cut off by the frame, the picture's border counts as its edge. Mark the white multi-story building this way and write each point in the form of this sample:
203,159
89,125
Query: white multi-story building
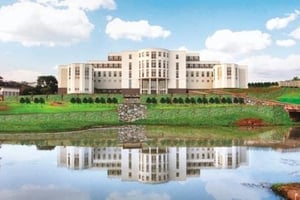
150,71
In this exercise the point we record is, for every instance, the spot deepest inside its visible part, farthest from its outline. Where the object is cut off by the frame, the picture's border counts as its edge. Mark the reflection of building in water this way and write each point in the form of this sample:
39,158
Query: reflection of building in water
152,164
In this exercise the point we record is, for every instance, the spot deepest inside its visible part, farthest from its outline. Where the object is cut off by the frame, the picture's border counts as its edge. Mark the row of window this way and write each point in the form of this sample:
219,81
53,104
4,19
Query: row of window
202,66
106,65
154,54
197,74
108,74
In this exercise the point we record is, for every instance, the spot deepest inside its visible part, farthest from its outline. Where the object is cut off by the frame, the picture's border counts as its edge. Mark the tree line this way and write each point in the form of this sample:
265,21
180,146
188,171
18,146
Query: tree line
262,84
193,100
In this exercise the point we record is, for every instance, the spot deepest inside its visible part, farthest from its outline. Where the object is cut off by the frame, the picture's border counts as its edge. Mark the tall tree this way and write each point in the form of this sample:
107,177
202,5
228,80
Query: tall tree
47,84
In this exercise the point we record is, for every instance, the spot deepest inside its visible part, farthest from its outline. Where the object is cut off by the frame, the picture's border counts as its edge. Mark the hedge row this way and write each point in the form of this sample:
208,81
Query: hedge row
193,100
35,100
102,100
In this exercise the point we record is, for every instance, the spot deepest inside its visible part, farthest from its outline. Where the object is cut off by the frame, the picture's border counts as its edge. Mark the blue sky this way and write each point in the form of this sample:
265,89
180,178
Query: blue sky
37,35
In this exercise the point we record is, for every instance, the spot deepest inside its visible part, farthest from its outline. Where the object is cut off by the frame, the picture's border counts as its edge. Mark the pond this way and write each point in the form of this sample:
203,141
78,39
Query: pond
148,171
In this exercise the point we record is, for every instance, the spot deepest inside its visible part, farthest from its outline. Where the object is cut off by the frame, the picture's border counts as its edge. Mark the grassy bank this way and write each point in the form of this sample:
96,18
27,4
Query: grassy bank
15,117
213,115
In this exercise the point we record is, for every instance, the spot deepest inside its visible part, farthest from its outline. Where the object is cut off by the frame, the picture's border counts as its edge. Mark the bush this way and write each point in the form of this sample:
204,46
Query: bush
193,100
102,100
85,100
187,100
148,100
241,100
224,100
175,100
205,101
199,100
78,100
27,100
22,100
211,100
162,100
217,100
153,100
180,100
109,100
73,100
42,100
97,100
235,100
168,100
114,100
229,100
90,100
36,100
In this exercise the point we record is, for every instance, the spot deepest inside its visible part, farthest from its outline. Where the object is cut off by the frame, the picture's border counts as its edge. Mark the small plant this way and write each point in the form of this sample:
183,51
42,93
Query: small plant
241,100
162,100
211,100
153,100
36,100
85,100
224,100
229,100
114,100
235,100
78,100
90,100
168,100
22,100
187,100
73,100
109,100
27,100
180,100
217,100
102,100
148,100
193,100
199,100
97,100
42,100
205,101
175,100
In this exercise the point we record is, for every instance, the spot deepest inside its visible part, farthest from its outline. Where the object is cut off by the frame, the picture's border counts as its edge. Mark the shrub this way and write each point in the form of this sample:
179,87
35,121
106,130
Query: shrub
205,101
241,100
211,100
199,100
148,100
114,100
217,100
97,100
153,100
175,100
187,100
224,100
78,100
235,100
90,100
168,100
22,100
180,100
27,100
109,100
102,100
36,100
85,100
229,100
193,100
42,100
162,100
73,100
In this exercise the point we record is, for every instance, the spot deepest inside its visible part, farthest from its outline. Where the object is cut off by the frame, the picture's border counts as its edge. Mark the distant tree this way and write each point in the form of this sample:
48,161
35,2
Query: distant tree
46,85
296,78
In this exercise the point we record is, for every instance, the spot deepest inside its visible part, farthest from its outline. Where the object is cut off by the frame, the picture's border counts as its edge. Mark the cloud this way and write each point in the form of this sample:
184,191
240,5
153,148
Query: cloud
20,75
240,42
33,24
34,192
137,195
285,43
296,33
280,23
183,48
81,4
134,30
269,68
213,55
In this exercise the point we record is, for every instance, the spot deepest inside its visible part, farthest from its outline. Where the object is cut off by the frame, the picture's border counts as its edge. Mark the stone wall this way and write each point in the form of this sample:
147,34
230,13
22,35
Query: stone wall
131,112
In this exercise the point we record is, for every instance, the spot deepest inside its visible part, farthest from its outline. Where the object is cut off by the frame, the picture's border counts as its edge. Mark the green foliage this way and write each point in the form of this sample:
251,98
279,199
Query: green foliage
193,100
153,100
211,100
78,100
22,100
224,100
27,100
175,100
36,100
235,100
162,100
114,100
180,100
229,100
97,100
73,100
187,100
217,100
148,100
199,100
90,100
205,101
109,100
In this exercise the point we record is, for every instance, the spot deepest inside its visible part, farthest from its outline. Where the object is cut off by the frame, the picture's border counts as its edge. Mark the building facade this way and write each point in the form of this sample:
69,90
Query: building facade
150,71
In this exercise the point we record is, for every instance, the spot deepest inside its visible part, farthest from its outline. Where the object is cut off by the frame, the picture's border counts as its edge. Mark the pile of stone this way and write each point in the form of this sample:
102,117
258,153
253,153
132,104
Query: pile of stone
131,133
131,112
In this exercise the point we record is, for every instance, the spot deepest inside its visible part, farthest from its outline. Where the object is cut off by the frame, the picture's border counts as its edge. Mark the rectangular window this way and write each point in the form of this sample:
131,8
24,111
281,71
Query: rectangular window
207,74
197,74
130,66
202,74
120,74
109,74
177,74
153,55
104,74
177,56
159,54
115,74
177,66
130,56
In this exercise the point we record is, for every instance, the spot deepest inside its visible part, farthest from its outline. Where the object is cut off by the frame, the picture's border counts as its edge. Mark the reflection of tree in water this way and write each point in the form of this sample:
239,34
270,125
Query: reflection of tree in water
290,162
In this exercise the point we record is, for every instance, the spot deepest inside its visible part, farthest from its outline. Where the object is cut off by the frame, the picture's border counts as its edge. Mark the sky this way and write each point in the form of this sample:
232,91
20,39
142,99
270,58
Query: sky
38,35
